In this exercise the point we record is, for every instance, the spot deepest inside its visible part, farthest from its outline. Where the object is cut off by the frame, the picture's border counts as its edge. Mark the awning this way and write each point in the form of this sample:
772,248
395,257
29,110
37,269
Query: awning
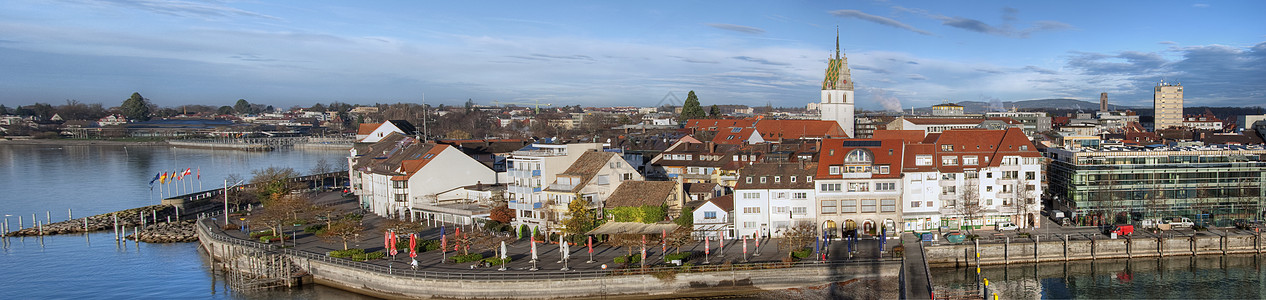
633,228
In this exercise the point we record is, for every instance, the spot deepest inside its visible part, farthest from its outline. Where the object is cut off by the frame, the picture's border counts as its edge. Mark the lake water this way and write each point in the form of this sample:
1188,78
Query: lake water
93,179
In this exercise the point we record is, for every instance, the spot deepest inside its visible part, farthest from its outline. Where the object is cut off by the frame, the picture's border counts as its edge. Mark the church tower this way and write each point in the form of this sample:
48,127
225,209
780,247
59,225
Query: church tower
837,90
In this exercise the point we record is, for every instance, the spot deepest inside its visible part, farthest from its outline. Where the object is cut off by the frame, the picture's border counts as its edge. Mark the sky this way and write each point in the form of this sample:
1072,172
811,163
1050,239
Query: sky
627,53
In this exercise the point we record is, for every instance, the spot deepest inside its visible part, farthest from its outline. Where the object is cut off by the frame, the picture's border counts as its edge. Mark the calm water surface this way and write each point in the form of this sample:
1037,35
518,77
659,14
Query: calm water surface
92,179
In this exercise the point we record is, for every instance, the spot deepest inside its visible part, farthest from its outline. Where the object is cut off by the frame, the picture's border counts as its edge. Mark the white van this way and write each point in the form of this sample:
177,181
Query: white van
1180,222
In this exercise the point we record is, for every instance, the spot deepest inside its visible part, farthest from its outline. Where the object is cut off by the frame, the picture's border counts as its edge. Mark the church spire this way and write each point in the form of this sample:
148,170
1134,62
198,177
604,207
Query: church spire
837,41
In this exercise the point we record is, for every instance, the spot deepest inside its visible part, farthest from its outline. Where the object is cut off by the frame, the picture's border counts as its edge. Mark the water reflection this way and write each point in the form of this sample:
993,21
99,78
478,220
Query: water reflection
1184,277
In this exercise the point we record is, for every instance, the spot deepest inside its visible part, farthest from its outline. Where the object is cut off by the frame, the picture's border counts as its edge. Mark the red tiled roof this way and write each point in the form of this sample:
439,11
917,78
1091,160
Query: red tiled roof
914,150
728,137
988,145
639,193
796,129
718,124
883,152
726,202
777,176
367,128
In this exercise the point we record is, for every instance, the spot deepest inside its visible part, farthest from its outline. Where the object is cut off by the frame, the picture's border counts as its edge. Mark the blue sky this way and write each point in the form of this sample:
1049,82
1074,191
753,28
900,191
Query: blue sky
598,53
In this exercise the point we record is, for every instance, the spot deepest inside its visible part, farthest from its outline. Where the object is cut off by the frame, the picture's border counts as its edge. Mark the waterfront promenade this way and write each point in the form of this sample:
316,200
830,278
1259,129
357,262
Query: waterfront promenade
878,270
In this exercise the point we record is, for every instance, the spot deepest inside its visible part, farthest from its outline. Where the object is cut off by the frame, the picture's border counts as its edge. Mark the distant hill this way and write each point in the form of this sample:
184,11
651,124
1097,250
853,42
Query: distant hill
1046,104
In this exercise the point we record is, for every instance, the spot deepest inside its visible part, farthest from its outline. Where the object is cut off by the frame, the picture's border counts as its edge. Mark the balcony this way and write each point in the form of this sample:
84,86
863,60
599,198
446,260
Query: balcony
860,175
514,204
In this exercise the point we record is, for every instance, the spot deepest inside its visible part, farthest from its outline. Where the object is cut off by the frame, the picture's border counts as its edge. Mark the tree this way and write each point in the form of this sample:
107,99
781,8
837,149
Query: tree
714,111
273,180
242,106
687,218
401,226
680,237
501,213
691,108
343,230
798,237
969,204
580,218
224,110
135,108
458,135
626,240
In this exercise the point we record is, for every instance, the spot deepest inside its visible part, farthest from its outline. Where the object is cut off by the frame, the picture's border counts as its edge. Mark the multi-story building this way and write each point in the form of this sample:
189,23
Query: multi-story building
947,109
858,185
1033,122
1219,182
770,198
592,177
534,168
1205,121
397,173
985,177
1167,105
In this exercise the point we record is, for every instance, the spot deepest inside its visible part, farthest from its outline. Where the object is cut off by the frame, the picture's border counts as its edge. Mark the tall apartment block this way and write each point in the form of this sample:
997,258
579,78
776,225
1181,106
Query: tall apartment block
1167,104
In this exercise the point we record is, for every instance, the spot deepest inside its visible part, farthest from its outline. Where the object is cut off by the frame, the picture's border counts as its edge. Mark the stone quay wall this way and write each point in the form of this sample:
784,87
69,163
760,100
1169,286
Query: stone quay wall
1047,249
379,281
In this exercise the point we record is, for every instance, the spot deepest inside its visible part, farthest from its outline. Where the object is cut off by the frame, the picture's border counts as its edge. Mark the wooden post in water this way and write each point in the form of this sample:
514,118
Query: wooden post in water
85,224
116,227
168,219
19,222
48,217
68,215
40,227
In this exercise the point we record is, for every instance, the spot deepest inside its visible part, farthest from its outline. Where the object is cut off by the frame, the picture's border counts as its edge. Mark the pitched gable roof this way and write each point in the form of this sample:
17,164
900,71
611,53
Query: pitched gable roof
717,124
882,153
395,154
726,202
729,136
585,168
777,176
907,136
405,126
796,129
639,193
366,128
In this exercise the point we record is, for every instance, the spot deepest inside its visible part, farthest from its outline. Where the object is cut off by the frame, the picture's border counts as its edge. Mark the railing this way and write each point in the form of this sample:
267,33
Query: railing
565,275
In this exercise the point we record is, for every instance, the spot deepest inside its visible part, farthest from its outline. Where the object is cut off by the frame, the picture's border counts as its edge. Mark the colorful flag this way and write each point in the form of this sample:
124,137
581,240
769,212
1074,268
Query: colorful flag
199,173
151,181
187,171
163,179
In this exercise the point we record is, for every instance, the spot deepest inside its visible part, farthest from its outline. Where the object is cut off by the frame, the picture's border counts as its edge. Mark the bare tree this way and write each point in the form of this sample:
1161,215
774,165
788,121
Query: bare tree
798,237
1023,203
626,240
343,230
969,203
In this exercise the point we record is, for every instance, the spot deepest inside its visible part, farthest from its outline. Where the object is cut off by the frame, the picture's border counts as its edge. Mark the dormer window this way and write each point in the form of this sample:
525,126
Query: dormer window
762,179
777,179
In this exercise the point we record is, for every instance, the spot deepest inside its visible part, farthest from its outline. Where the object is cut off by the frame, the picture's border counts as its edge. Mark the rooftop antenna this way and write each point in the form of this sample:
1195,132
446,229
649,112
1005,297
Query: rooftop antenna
424,132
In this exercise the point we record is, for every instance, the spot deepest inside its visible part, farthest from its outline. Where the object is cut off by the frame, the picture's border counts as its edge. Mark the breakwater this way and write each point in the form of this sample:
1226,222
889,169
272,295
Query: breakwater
154,224
279,265
1051,248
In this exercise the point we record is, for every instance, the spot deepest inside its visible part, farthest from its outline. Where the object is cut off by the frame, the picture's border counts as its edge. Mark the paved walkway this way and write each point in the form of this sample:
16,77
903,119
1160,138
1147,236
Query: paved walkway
916,269
549,254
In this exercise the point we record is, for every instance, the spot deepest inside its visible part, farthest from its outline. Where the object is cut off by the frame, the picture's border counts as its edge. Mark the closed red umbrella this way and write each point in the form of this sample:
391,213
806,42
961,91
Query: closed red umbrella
393,245
386,240
413,245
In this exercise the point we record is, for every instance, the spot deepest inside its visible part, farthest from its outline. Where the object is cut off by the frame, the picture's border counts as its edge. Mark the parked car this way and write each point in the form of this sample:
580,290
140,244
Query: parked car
1120,230
1007,226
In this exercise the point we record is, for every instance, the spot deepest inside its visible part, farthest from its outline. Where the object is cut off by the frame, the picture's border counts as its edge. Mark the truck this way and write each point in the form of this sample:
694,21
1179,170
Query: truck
1120,230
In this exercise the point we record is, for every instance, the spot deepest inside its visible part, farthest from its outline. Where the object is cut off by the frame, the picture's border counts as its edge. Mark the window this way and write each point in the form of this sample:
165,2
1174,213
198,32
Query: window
830,187
848,206
949,160
988,188
777,179
400,184
828,207
780,209
799,210
929,204
883,169
627,176
808,179
780,195
736,157
602,179
858,187
428,155
868,205
970,175
749,224
402,197
947,148
709,215
751,195
914,204
729,137
947,190
834,170
988,201
762,179
859,156
971,160
1030,175
751,210
1010,174
793,179
749,179
799,195
886,186
949,176
736,129
888,205
859,169
988,174
1006,189
923,160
